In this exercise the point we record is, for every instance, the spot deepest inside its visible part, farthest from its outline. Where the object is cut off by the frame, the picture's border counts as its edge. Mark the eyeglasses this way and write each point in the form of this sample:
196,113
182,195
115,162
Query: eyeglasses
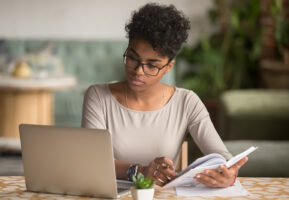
149,69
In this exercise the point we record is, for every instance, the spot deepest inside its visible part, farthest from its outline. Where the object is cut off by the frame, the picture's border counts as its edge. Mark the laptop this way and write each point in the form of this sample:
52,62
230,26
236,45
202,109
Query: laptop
69,160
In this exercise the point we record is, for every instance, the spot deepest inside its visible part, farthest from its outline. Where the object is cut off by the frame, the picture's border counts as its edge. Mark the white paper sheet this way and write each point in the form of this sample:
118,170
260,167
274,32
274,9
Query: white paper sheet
204,191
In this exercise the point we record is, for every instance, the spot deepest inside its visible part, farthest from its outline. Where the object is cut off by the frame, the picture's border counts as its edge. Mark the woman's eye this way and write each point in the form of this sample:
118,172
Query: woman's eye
151,66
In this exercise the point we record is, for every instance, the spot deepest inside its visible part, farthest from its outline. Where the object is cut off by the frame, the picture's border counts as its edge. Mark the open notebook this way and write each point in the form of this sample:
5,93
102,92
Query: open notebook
210,161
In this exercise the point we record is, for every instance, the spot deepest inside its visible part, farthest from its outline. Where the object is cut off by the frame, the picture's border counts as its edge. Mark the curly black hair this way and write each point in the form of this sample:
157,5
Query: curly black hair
164,27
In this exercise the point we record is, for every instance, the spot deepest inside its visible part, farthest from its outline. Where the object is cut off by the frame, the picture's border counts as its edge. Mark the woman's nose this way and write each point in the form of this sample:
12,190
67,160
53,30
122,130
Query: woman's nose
139,70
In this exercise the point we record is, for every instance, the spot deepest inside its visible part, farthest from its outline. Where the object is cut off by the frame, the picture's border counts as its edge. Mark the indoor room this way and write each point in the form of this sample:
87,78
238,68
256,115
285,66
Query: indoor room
166,81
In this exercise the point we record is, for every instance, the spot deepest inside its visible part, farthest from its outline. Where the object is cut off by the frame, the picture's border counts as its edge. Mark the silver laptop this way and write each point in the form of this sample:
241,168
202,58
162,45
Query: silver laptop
69,160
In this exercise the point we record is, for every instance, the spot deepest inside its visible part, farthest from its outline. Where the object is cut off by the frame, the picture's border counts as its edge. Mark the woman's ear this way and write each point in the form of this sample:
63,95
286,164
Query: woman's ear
169,67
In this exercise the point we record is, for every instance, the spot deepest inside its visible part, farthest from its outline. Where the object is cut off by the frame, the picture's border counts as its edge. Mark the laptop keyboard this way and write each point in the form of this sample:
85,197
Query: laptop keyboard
119,190
124,185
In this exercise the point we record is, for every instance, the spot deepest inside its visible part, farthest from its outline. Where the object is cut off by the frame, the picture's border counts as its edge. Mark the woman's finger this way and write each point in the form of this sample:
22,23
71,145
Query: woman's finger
161,170
149,171
158,181
165,162
226,172
239,164
160,178
215,175
207,180
168,173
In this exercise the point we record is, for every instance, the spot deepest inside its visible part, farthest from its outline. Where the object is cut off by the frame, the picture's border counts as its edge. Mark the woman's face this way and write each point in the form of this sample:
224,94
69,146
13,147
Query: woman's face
141,51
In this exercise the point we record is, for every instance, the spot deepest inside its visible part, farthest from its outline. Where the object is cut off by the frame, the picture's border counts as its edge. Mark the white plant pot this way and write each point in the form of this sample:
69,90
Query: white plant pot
142,194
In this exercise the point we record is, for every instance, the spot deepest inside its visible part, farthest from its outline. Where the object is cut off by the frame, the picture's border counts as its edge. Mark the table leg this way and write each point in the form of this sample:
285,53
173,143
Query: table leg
29,106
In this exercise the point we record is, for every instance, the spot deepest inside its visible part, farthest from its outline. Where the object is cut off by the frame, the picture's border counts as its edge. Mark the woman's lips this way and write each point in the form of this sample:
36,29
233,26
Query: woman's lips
137,82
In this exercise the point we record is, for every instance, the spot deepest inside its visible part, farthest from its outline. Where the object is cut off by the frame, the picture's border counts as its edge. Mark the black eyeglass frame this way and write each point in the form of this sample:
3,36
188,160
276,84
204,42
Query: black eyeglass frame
142,64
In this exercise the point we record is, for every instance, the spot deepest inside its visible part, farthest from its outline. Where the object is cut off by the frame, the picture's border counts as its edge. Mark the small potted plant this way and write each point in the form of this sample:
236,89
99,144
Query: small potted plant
143,188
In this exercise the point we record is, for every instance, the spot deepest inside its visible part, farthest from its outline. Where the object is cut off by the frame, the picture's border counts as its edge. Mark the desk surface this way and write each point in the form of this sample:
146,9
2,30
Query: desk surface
13,187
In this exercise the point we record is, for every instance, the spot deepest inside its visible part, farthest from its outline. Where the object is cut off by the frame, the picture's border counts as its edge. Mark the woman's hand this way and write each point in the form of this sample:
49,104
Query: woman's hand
223,178
161,170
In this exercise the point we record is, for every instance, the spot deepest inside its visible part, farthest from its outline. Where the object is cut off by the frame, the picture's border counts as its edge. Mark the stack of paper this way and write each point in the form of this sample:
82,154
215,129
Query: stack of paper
205,191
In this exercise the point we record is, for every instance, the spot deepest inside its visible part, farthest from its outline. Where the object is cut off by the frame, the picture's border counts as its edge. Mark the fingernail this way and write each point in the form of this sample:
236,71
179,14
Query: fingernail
198,176
165,165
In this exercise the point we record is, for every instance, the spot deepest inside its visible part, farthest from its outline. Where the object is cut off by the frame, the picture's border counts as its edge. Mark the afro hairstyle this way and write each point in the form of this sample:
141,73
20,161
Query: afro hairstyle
164,27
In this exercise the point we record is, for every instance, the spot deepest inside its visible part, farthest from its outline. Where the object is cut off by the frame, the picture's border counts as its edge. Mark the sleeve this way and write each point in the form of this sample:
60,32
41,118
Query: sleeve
202,129
93,115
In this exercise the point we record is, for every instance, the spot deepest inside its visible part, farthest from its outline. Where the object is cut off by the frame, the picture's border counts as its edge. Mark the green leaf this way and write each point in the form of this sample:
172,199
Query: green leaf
228,58
140,176
134,179
141,182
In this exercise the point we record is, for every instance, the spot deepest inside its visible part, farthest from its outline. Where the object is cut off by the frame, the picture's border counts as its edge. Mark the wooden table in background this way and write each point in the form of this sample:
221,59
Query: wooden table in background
13,187
28,101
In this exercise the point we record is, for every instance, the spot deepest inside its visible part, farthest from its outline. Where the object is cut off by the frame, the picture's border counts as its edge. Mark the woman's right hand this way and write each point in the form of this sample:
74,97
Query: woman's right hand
161,170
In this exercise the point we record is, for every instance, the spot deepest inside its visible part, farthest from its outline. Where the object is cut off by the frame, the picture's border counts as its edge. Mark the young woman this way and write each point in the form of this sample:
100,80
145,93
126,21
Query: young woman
148,120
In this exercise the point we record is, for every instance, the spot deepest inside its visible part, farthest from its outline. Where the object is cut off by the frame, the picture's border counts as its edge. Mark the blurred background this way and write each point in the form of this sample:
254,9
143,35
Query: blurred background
236,59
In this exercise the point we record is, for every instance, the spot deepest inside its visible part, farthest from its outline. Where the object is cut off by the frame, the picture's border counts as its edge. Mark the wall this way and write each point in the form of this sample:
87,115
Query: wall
84,19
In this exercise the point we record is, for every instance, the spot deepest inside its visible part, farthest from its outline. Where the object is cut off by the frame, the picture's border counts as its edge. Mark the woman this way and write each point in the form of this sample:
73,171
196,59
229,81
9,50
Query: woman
148,120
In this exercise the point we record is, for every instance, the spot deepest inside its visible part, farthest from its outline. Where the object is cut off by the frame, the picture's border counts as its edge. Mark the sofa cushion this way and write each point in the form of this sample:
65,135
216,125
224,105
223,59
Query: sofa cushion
257,103
255,114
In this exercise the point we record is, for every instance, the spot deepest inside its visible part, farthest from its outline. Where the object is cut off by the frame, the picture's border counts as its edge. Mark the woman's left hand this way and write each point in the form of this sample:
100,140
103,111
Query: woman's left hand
224,177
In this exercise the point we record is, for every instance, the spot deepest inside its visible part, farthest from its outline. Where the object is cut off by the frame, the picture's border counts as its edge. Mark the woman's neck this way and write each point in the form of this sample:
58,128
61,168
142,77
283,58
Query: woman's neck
149,99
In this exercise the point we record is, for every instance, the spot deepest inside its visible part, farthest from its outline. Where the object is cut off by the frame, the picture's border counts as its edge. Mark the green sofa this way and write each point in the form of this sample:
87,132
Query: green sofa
89,61
255,114
257,117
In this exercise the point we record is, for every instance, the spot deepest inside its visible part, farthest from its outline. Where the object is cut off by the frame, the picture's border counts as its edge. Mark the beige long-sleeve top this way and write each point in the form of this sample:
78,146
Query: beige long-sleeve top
141,136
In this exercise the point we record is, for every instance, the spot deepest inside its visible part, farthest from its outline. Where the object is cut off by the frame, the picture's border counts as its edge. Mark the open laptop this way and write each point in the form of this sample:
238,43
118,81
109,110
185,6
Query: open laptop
69,160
